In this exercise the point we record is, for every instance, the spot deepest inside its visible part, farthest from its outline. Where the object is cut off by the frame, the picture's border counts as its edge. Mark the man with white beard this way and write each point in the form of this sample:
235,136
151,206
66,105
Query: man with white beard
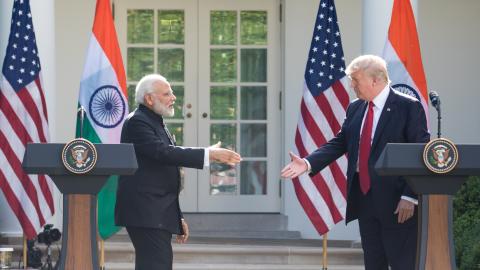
147,202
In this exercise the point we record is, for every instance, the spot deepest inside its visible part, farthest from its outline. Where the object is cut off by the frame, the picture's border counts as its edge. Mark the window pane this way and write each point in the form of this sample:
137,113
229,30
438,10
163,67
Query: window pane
223,65
223,27
140,26
178,91
253,140
223,177
226,133
253,178
171,26
254,103
131,97
176,129
223,102
253,27
171,64
140,63
254,65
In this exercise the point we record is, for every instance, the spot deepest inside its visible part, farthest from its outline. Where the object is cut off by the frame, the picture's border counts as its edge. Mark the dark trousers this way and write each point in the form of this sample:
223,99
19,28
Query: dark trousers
385,245
153,248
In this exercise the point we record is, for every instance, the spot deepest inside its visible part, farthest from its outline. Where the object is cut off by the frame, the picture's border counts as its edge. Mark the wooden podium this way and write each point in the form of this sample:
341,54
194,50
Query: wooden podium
79,238
435,250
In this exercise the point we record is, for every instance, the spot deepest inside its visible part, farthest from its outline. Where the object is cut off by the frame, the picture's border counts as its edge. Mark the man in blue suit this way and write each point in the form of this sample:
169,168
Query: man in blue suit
384,206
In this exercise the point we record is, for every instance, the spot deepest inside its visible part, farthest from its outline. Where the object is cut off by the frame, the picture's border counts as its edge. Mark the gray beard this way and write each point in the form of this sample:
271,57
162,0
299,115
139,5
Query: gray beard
163,110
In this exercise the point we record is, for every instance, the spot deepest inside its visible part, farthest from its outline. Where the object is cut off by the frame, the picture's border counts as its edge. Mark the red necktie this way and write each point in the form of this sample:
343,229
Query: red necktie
365,145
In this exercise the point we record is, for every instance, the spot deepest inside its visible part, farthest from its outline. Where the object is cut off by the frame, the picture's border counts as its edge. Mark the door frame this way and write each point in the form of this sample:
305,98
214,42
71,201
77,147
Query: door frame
244,203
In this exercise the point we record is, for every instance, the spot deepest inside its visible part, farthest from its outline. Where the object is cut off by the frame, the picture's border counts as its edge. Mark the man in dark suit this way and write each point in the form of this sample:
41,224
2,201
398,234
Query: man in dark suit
384,206
147,202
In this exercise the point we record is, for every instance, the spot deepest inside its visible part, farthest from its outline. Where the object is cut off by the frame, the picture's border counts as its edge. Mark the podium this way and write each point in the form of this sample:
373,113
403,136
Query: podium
435,250
79,238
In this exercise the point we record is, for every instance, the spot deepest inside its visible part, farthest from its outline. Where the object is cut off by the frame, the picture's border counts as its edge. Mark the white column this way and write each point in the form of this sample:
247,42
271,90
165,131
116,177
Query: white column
43,14
5,17
8,222
376,20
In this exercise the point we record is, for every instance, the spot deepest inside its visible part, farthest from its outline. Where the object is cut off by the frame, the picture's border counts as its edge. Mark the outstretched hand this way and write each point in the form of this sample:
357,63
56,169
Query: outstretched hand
223,155
295,168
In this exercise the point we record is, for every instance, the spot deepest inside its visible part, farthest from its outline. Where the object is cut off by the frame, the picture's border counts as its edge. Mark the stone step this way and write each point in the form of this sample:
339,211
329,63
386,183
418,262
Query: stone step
122,235
234,252
233,225
198,266
242,254
237,221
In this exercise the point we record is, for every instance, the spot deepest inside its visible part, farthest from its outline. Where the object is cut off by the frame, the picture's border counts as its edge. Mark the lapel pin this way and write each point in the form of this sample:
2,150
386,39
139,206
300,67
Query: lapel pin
388,109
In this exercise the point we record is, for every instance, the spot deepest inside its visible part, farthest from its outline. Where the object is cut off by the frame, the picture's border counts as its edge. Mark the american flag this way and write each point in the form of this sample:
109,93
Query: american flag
23,119
323,106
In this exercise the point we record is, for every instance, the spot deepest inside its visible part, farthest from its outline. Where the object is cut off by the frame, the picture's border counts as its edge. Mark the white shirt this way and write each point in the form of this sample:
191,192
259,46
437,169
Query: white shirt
378,104
206,157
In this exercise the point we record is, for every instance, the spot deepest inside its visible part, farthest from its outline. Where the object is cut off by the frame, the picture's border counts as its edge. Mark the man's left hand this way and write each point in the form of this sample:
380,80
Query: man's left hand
405,210
182,239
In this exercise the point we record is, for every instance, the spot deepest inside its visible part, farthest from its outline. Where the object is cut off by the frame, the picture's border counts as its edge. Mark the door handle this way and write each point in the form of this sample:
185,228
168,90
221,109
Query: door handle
184,108
204,115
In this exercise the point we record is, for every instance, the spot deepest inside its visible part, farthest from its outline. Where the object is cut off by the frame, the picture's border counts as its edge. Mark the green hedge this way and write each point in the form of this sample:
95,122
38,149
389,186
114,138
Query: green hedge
466,225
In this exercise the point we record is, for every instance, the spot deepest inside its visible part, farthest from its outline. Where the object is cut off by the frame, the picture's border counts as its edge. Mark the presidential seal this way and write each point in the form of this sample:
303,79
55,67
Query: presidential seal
79,156
440,155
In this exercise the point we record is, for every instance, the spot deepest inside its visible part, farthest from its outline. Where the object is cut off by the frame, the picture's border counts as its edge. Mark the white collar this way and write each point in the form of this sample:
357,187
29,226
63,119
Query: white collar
380,100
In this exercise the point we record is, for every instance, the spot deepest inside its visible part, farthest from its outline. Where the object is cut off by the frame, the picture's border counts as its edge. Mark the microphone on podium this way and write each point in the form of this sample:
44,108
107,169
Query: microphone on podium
435,100
81,116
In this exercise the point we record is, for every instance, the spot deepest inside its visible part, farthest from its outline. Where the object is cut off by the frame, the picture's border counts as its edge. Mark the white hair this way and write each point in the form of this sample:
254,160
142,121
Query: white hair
372,65
145,86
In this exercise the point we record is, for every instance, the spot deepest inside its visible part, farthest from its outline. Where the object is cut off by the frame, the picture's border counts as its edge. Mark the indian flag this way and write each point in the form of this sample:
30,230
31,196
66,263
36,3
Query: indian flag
402,53
103,94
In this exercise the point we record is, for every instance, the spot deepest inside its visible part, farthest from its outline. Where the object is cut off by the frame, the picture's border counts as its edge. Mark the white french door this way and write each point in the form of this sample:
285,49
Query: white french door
222,59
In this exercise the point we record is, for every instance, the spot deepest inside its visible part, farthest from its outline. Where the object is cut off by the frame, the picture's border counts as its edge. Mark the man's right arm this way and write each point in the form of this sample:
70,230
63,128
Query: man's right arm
147,142
321,157
334,148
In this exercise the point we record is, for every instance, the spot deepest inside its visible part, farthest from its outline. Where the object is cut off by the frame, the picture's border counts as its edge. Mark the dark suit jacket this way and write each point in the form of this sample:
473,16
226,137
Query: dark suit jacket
402,120
149,198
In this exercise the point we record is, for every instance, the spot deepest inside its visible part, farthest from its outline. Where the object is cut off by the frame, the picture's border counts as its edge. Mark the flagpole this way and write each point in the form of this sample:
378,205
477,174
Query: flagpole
24,251
324,251
102,254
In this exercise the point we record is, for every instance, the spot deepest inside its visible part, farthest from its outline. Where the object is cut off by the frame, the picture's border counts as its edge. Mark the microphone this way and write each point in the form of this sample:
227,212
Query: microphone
435,99
81,116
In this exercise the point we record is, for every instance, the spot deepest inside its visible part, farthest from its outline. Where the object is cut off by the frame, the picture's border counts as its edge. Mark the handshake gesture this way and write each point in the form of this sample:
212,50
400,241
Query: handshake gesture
296,167
223,155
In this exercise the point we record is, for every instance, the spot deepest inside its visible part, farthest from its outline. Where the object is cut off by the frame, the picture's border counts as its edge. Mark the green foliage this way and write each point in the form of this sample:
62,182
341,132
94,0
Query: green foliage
466,225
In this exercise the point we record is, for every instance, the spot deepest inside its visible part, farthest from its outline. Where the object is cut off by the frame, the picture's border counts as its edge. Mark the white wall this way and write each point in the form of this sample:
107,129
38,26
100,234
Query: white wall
450,43
74,24
299,22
